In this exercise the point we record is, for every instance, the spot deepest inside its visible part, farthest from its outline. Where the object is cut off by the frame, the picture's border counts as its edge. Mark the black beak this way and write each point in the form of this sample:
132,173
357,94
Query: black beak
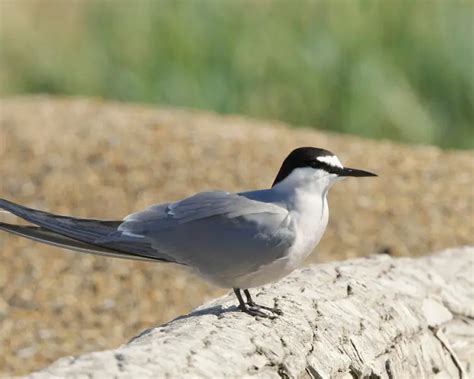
346,171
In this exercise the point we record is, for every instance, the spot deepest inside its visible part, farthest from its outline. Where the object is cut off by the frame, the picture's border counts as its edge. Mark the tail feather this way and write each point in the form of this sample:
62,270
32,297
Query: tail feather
87,235
70,226
39,234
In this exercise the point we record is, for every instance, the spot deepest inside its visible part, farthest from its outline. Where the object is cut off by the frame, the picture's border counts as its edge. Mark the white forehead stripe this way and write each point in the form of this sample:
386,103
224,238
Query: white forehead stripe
330,160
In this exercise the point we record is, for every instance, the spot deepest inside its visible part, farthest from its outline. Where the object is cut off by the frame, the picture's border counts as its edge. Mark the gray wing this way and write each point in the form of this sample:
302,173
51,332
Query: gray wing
196,207
217,233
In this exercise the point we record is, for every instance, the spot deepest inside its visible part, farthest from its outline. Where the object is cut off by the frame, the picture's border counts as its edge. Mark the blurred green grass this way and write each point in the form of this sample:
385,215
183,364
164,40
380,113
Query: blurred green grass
384,69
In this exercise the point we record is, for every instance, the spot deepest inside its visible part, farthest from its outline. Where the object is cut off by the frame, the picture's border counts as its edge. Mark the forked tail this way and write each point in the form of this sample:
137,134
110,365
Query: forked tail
85,235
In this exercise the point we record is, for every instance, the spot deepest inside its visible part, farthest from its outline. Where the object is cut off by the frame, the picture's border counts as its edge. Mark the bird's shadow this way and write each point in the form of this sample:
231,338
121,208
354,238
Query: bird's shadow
217,310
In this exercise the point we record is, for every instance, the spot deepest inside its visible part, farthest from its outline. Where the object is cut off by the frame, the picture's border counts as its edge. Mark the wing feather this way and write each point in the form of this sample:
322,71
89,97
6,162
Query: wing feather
197,207
220,234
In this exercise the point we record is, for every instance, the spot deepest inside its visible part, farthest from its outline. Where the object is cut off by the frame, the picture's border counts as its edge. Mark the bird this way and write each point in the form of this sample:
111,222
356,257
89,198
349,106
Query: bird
235,240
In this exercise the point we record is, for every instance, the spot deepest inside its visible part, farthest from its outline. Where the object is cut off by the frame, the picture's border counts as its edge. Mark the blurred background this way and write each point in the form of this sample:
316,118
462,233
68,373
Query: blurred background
401,70
392,70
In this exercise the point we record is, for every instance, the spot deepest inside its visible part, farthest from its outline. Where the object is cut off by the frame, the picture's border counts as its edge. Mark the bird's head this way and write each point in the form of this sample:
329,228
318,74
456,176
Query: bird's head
312,163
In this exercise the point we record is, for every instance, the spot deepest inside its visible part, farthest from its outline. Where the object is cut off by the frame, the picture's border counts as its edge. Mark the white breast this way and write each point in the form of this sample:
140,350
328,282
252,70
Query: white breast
311,222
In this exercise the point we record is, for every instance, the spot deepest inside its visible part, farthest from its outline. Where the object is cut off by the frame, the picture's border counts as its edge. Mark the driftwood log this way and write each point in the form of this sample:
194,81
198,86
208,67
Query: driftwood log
376,317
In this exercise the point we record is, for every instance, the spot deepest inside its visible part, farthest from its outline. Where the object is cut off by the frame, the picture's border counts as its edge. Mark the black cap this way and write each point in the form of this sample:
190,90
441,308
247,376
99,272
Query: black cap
308,157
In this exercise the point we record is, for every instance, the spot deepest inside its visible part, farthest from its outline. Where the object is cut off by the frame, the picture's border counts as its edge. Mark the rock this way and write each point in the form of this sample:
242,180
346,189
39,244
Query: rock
396,321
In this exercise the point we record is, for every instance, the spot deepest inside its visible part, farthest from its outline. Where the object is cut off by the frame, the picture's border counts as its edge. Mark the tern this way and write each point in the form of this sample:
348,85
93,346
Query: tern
234,240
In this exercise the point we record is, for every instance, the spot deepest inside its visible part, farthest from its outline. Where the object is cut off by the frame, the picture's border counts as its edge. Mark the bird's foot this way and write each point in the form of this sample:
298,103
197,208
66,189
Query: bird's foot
275,310
256,311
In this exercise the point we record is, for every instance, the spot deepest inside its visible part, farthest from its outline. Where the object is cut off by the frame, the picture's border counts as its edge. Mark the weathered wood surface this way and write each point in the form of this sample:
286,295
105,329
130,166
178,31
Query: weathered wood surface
375,317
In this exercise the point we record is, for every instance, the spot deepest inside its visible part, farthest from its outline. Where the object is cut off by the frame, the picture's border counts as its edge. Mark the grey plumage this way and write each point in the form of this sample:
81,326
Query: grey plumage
234,234
39,234
170,232
69,230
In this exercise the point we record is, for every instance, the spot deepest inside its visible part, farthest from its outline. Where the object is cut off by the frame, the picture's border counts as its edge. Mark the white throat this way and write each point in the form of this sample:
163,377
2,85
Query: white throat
303,193
306,182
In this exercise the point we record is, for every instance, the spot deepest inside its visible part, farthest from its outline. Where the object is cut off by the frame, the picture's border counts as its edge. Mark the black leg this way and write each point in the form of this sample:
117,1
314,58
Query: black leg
249,298
248,308
239,298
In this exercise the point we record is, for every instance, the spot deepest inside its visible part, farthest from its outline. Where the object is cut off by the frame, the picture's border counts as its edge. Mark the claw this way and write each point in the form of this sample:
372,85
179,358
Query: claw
253,309
256,312
277,311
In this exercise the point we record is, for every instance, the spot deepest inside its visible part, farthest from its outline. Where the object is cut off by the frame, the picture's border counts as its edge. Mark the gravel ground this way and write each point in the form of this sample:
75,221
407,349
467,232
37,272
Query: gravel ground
97,159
